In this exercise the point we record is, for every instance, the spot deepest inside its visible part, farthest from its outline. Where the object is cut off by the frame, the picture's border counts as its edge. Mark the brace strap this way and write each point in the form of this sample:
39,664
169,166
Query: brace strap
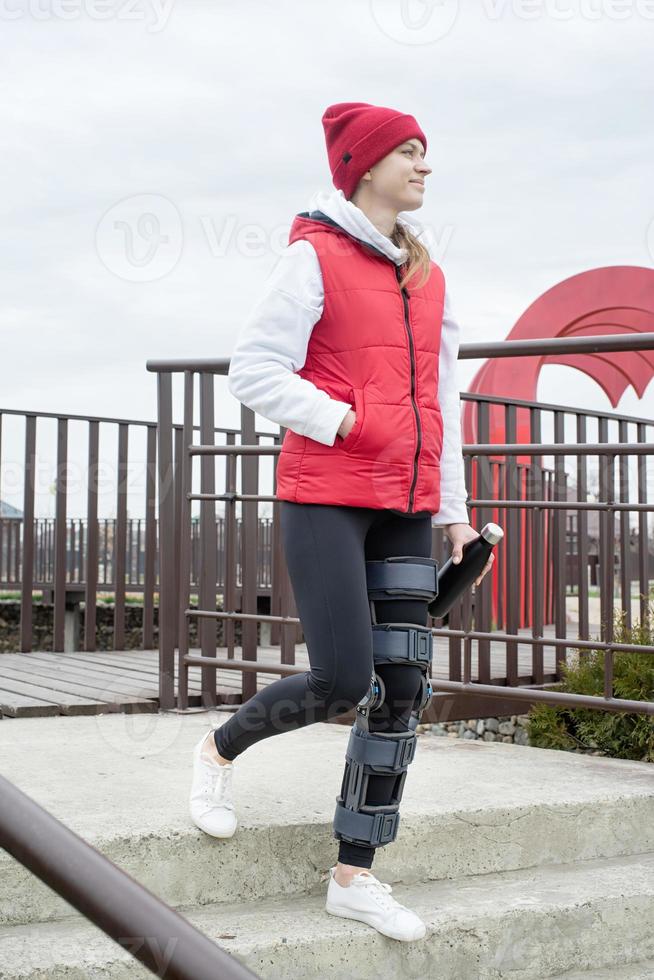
393,642
371,829
405,575
383,751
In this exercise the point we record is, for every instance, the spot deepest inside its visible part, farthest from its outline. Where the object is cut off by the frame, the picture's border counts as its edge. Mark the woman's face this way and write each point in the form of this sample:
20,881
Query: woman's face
398,179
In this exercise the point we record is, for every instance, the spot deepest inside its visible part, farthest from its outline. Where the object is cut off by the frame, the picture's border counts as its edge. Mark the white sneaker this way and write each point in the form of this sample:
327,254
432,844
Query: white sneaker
368,899
211,803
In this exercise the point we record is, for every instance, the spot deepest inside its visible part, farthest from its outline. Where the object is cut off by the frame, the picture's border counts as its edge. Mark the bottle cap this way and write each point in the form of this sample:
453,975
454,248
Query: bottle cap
492,532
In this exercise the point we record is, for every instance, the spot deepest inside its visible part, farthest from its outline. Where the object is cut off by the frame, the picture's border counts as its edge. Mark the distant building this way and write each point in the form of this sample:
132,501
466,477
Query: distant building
6,510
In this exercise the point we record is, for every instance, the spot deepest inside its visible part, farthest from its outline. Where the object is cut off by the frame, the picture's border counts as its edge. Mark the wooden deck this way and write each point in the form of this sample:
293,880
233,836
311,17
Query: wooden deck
46,683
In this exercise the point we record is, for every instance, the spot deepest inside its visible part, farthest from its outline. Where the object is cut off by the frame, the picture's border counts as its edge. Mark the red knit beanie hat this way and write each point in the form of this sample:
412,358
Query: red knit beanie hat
359,134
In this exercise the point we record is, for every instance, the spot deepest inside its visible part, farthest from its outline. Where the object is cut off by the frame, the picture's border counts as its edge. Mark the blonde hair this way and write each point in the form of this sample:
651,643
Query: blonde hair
418,259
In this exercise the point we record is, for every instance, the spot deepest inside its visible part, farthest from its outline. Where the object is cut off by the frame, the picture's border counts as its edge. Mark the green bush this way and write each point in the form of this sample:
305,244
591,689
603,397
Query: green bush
620,735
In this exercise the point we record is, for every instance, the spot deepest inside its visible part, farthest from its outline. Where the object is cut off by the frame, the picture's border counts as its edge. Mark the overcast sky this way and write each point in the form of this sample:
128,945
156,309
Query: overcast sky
206,116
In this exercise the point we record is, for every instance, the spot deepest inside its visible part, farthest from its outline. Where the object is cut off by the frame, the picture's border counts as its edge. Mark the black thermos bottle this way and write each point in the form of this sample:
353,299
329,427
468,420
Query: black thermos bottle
453,579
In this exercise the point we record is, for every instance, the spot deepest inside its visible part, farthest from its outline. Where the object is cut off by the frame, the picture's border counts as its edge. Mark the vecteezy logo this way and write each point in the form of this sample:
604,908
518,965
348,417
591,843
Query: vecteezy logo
139,239
415,21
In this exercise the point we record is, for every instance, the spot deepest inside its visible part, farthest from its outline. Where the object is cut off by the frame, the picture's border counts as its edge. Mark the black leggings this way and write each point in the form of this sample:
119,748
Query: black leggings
326,548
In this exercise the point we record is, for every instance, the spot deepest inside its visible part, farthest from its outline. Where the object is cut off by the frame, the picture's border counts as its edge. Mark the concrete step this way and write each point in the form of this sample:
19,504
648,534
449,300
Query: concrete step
526,925
469,808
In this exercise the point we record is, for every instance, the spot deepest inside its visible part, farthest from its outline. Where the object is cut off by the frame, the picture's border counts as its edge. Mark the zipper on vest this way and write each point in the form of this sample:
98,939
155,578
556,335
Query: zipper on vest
407,324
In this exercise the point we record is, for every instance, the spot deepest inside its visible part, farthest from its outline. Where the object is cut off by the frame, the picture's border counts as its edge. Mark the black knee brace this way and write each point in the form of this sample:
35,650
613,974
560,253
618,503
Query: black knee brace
380,752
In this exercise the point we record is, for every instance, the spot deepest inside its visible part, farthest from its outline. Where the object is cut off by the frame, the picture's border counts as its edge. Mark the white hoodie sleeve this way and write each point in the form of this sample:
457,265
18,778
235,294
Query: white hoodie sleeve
453,508
272,346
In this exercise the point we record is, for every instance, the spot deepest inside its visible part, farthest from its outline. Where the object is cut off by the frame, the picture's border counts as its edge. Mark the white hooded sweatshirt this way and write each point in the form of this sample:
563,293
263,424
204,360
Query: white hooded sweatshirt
272,346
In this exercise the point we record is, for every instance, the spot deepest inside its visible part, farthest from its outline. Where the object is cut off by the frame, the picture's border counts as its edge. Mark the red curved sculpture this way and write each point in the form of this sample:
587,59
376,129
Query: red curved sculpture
613,299
609,300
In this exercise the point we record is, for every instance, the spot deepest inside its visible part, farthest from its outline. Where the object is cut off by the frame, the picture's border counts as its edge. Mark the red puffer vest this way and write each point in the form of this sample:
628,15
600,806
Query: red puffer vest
378,348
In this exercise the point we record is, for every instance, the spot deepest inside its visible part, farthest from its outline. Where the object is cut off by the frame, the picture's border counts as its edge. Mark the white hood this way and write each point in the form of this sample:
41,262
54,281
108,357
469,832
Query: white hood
345,213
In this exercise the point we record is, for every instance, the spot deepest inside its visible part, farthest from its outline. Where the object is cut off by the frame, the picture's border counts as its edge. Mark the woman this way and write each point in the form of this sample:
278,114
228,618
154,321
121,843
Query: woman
353,349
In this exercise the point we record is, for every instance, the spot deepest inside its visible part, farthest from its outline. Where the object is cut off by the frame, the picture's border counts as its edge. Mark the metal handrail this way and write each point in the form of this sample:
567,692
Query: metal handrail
109,897
537,346
476,449
500,348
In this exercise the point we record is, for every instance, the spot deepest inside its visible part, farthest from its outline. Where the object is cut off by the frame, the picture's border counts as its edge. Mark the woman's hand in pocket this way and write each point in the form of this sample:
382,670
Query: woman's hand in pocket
347,424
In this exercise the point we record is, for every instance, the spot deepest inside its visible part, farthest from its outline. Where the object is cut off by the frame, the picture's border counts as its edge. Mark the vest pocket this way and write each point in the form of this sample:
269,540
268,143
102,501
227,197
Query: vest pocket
354,395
